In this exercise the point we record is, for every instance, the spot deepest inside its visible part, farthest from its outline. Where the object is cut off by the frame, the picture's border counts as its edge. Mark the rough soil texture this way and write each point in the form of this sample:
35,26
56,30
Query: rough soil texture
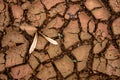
87,32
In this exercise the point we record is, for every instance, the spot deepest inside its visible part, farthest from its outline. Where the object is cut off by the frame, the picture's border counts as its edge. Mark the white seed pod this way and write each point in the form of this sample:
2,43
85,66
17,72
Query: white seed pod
49,39
34,43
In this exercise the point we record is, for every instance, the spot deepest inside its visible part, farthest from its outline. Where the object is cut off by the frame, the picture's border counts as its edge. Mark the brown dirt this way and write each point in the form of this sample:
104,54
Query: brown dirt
87,32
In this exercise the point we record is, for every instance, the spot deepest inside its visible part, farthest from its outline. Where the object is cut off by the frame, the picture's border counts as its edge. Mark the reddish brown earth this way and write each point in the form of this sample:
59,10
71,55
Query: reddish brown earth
87,32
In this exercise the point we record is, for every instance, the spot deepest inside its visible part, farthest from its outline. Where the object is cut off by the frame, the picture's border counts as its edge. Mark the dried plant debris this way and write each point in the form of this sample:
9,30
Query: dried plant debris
49,39
34,43
59,39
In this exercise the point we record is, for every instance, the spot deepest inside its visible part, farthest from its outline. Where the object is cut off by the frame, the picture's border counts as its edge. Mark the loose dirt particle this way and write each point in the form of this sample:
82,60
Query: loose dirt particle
46,72
65,66
20,71
116,26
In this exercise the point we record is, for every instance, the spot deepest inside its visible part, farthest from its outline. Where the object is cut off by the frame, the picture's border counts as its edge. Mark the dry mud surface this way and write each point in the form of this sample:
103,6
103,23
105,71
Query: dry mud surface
87,32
